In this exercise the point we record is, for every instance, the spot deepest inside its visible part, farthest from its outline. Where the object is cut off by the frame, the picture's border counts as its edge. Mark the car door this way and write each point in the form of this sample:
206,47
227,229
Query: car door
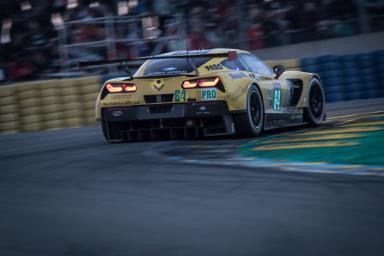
277,92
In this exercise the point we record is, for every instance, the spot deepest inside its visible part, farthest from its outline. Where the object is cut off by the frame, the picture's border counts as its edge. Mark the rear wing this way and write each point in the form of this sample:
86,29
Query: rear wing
125,63
230,54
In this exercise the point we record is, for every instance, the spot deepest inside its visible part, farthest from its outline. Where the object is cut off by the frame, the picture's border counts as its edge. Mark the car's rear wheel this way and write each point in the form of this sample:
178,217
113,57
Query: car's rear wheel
251,123
315,112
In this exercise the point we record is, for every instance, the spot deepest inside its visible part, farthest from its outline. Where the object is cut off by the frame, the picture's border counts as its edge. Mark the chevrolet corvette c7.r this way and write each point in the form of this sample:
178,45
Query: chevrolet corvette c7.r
204,93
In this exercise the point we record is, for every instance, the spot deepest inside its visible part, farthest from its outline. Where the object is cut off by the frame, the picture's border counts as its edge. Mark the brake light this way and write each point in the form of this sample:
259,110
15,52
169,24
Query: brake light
209,82
129,87
188,84
201,83
114,88
123,87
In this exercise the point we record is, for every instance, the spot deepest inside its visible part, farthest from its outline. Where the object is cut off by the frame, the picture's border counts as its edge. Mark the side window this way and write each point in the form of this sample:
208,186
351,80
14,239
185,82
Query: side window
256,65
233,64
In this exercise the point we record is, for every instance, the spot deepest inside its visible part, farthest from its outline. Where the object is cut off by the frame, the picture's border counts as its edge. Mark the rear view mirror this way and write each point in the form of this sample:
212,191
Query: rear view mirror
278,70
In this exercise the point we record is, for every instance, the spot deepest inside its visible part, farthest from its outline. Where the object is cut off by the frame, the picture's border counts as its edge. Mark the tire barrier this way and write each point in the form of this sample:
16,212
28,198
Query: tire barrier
10,108
10,127
35,110
92,96
51,108
9,117
49,92
49,100
7,100
349,77
53,124
46,105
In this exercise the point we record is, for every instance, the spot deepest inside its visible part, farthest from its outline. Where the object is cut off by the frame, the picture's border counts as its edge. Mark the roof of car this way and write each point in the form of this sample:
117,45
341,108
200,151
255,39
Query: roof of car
207,51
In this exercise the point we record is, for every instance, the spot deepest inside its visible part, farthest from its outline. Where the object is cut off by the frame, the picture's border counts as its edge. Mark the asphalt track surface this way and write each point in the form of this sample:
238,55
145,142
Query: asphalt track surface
68,192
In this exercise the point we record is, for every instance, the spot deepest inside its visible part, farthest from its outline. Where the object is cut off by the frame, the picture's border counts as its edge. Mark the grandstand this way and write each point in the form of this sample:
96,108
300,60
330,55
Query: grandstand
43,39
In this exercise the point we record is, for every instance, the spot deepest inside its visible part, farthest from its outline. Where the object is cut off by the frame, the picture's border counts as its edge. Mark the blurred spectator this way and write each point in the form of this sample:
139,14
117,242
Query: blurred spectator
310,16
2,73
271,28
88,33
375,9
197,39
328,10
29,44
255,35
294,21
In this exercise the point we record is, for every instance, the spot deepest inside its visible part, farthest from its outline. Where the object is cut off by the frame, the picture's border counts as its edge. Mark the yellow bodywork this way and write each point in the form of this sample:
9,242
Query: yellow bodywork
235,88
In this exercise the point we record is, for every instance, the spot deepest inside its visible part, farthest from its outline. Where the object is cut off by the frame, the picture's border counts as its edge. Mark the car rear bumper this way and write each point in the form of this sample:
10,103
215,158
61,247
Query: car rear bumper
185,120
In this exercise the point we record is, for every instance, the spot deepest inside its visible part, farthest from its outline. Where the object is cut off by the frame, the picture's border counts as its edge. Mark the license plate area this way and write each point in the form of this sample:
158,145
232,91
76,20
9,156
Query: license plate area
160,109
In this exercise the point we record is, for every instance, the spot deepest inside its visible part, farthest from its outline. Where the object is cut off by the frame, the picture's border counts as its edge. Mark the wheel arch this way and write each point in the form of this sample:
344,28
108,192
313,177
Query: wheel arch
243,121
306,78
257,86
253,83
315,76
307,115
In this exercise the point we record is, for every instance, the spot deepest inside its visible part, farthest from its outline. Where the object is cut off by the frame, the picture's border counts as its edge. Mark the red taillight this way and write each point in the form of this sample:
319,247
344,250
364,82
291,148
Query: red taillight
114,88
117,87
201,83
131,87
188,84
209,82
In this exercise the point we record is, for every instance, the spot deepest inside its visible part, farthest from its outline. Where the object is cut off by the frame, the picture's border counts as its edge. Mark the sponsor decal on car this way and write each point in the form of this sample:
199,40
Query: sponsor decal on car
180,95
276,98
119,103
120,96
208,94
213,67
117,113
158,86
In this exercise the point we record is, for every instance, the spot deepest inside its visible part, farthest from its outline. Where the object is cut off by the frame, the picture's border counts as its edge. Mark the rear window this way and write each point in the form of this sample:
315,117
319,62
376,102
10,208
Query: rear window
172,66
233,64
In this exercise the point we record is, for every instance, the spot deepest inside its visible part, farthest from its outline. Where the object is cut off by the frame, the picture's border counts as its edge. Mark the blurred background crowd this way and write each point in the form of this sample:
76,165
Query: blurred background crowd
42,38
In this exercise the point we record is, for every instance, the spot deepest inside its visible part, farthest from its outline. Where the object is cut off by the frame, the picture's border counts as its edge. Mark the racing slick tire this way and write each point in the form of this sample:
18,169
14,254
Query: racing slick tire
315,112
112,132
251,123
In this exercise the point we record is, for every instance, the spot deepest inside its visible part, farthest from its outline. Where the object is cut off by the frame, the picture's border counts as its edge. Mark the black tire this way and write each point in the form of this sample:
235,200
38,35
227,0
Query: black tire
112,132
251,123
315,112
104,129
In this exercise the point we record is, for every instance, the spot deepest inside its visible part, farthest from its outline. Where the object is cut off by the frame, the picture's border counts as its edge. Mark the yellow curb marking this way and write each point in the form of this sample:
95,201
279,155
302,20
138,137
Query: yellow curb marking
318,138
363,124
276,164
219,151
351,166
340,130
376,113
209,146
299,146
250,158
377,169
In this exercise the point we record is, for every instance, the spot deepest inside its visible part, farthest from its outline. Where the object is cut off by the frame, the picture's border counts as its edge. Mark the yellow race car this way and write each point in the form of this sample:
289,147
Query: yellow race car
188,94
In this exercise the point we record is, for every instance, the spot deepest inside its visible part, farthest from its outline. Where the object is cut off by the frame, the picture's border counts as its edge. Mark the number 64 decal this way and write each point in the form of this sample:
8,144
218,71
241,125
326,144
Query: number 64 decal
276,98
180,95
